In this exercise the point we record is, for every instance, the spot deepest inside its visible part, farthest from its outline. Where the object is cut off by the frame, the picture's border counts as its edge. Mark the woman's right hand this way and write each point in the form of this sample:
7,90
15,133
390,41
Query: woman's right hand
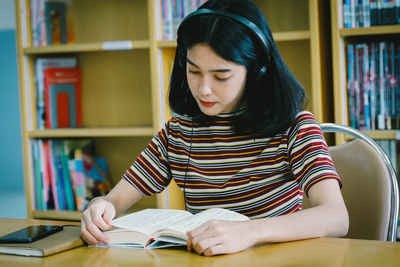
97,218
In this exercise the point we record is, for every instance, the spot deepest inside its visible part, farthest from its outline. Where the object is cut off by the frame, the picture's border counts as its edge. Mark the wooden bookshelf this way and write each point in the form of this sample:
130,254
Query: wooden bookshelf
340,38
374,30
92,132
89,47
125,75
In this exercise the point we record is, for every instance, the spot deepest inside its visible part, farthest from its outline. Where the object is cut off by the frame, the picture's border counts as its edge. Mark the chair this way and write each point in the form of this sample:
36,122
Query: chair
370,188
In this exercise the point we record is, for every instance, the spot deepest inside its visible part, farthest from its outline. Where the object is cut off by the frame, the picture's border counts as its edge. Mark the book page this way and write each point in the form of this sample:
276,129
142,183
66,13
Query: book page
150,220
205,216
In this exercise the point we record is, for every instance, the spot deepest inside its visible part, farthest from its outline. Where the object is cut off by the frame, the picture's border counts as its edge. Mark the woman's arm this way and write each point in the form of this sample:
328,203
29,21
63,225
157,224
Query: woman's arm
101,210
327,217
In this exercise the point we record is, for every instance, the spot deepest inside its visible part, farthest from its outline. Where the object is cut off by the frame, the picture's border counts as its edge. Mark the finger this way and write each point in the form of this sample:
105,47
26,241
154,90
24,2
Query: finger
202,232
109,214
93,230
97,218
86,236
189,242
204,244
215,250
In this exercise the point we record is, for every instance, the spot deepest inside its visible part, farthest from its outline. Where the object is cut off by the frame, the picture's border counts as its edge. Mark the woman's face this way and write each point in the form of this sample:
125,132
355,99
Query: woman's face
216,84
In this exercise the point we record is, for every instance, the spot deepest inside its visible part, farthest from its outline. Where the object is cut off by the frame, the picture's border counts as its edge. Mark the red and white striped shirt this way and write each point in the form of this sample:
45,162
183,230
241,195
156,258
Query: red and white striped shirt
258,177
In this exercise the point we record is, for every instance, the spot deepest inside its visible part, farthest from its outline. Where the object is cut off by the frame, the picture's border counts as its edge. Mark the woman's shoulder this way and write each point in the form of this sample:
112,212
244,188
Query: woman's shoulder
180,118
180,121
304,115
303,119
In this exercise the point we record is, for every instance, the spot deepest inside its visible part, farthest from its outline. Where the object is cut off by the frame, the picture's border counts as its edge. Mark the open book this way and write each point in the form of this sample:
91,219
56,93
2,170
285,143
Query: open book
157,228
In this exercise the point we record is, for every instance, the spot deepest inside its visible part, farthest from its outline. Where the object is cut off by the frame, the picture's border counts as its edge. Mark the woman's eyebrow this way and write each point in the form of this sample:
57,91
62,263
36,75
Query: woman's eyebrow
214,70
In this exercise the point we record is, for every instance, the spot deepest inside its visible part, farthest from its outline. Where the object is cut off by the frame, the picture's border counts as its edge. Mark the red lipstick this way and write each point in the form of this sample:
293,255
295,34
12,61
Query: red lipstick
207,104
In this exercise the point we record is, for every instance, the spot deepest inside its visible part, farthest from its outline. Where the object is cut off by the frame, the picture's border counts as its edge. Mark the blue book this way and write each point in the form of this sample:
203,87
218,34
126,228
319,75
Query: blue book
56,24
59,175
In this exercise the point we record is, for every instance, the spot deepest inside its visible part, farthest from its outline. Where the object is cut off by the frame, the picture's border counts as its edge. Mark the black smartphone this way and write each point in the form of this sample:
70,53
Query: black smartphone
30,233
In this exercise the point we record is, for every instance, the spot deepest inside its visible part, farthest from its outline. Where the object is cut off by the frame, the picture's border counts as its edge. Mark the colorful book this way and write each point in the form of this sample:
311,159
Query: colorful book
58,175
63,97
52,174
68,190
55,20
38,175
41,64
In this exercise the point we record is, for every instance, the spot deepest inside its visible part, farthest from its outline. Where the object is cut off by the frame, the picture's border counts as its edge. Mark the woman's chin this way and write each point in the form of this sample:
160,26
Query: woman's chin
210,111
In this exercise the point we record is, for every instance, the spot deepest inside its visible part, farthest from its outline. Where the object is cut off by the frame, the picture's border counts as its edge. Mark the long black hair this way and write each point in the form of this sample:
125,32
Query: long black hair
272,101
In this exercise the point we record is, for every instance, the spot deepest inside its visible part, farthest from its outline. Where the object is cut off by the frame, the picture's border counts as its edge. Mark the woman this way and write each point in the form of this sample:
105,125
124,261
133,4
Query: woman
238,140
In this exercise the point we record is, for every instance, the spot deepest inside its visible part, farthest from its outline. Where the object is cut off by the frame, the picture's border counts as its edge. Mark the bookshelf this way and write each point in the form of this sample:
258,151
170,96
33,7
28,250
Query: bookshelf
342,36
125,72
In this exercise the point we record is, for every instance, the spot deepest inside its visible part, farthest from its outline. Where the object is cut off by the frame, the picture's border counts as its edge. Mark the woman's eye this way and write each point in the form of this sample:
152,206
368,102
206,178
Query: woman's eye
221,78
194,71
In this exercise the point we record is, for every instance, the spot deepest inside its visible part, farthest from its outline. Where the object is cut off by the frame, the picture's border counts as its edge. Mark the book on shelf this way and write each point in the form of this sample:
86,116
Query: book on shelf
67,174
63,97
51,22
373,88
367,13
56,22
172,13
41,64
66,239
157,228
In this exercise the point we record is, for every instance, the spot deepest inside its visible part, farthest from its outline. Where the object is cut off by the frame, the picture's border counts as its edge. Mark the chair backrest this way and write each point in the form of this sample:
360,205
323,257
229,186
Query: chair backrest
370,188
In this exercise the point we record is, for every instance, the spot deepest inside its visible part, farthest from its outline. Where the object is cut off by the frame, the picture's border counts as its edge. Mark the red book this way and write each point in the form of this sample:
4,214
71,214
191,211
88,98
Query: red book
63,97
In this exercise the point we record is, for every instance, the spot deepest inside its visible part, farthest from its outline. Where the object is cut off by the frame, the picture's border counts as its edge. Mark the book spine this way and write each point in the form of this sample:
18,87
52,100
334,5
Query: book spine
80,180
38,176
46,182
58,174
350,84
52,172
69,194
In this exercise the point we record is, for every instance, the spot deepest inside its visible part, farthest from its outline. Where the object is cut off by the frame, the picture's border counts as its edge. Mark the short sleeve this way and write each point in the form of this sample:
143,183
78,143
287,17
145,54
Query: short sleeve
150,173
309,157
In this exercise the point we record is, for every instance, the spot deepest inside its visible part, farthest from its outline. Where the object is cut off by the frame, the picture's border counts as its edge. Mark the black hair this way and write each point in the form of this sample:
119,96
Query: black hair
272,102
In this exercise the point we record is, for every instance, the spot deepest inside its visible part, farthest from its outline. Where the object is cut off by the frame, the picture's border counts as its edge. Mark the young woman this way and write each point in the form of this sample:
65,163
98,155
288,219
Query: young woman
238,140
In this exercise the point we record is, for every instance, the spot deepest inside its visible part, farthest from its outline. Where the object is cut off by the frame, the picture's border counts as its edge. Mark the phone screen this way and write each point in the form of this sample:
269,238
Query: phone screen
30,233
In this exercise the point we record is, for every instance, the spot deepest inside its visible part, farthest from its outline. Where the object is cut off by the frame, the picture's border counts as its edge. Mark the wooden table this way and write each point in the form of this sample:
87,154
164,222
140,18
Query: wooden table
312,252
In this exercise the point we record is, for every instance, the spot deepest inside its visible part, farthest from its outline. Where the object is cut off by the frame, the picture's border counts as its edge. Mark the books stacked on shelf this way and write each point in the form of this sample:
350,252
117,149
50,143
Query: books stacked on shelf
392,150
58,93
50,22
367,13
67,174
373,74
172,13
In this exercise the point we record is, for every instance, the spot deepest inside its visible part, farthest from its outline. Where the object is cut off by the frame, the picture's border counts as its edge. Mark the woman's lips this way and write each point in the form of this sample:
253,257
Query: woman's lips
207,104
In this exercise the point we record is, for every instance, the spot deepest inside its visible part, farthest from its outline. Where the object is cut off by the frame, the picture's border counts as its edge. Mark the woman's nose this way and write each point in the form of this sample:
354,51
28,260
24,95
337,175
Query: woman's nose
205,87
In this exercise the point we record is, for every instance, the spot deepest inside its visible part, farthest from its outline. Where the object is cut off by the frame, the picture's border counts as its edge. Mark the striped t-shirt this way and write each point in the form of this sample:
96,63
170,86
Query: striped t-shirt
258,177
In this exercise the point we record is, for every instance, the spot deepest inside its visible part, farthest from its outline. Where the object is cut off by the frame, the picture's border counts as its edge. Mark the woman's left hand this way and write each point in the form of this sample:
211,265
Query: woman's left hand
220,237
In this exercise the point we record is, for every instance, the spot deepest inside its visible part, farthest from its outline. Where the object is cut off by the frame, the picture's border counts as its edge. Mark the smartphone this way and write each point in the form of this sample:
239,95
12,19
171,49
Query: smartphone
30,233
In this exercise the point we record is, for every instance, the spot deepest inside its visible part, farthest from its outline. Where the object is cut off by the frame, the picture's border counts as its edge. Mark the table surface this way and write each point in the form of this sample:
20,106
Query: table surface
312,252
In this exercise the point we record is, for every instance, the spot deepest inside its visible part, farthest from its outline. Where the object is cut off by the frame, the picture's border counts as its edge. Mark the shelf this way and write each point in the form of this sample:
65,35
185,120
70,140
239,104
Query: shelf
375,30
384,134
89,47
291,36
93,132
166,44
278,37
58,215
